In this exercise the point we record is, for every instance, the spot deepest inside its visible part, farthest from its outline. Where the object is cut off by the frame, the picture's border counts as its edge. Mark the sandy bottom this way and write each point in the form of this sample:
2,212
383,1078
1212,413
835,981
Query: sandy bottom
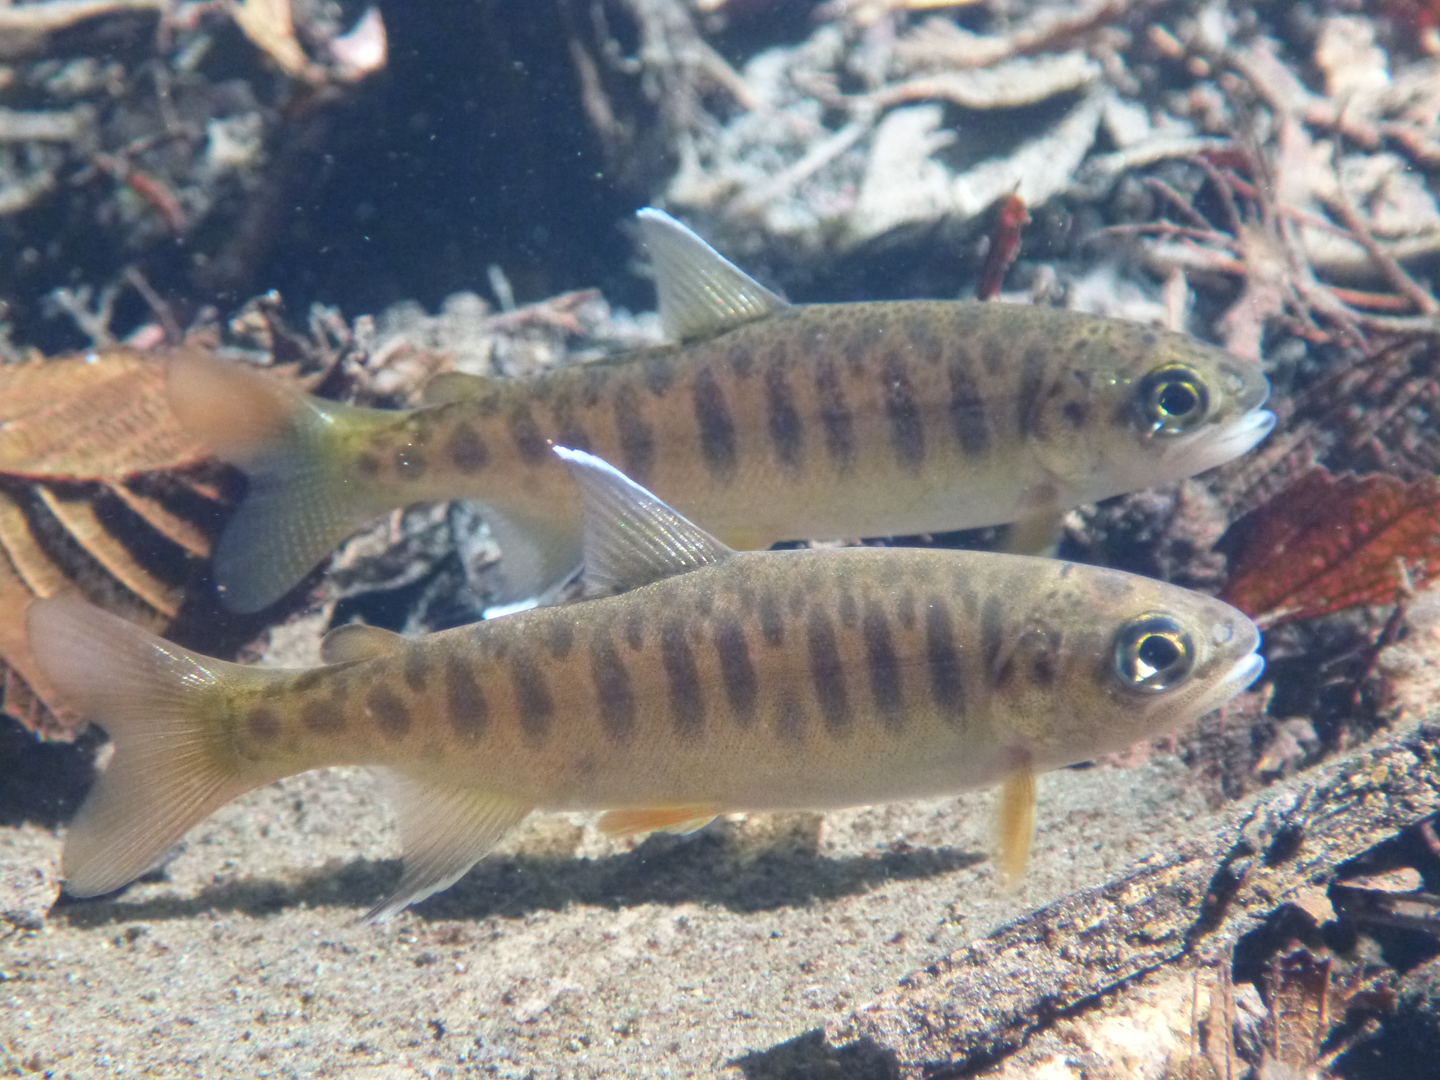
564,955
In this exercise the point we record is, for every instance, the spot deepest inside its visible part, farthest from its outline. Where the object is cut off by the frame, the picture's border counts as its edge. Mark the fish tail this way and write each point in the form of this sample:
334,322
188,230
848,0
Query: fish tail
170,769
299,453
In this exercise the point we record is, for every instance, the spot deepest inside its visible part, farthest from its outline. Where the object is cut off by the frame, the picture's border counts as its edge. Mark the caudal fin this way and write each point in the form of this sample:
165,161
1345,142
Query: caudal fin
296,450
168,772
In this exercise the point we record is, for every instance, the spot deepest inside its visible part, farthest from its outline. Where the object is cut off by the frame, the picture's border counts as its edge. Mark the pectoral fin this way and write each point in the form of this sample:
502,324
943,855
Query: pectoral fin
1015,823
670,819
1036,534
700,291
445,831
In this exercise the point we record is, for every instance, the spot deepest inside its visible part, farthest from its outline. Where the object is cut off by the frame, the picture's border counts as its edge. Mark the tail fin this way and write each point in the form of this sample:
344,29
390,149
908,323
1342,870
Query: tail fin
297,451
168,772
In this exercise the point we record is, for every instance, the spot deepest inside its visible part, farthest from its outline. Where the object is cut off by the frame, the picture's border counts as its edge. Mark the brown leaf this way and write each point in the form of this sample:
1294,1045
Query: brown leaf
1327,543
1011,217
93,416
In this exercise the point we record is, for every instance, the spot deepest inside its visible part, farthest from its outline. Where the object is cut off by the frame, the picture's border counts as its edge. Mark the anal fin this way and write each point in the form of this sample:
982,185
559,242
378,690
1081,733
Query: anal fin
1035,534
1015,822
444,832
670,819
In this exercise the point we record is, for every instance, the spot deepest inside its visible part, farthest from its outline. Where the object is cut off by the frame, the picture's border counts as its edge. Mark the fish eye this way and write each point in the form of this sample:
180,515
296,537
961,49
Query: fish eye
1173,399
1153,653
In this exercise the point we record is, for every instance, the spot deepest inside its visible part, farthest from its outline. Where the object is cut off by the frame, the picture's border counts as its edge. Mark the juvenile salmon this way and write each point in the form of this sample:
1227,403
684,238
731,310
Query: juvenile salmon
708,681
764,422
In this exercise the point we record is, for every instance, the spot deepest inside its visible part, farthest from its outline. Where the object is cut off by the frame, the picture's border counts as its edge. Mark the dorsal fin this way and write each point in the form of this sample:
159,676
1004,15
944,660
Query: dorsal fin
631,538
700,291
356,641
451,386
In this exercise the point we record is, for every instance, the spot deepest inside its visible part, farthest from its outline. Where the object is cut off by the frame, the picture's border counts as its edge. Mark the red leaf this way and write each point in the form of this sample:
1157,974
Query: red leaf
1327,543
1004,246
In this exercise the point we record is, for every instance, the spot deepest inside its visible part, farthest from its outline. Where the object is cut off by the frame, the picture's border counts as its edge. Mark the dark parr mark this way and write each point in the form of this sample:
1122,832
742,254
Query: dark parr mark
528,438
568,430
967,411
827,672
736,670
532,699
635,628
262,725
905,609
637,438
947,682
787,431
835,417
907,432
849,609
613,692
884,666
465,705
717,428
466,450
741,361
391,715
322,717
687,699
992,632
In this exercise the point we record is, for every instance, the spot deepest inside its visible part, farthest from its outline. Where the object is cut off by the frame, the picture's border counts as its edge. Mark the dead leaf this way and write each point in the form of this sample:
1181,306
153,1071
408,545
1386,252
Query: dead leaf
268,24
1011,217
1327,543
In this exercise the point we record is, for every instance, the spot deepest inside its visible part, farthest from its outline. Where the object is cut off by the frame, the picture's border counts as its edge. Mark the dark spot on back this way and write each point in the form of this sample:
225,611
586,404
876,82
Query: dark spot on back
849,609
907,433
613,691
992,631
307,681
532,698
526,435
835,417
415,669
827,672
704,600
635,627
322,717
391,715
465,704
568,429
637,438
906,609
687,699
262,725
659,375
736,670
1043,666
368,465
995,355
1076,413
741,361
1029,411
466,450
560,637
923,338
717,428
787,432
968,422
884,666
772,621
593,380
947,681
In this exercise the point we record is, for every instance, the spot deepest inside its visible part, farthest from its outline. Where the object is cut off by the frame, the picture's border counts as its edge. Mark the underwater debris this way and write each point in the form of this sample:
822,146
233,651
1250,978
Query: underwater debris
1327,543
97,479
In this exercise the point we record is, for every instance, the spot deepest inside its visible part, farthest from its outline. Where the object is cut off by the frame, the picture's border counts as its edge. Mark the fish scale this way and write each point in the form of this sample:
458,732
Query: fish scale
824,421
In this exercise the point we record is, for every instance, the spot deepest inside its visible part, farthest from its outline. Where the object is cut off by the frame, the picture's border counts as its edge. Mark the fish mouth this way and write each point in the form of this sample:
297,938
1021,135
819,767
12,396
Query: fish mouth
1246,670
1225,445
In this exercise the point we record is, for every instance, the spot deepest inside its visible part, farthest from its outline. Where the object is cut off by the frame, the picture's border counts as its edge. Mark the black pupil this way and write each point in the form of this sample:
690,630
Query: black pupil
1177,398
1157,652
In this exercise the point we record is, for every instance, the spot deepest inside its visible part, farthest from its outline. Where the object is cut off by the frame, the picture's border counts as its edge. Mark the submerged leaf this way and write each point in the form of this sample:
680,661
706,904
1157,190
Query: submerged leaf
99,415
1327,543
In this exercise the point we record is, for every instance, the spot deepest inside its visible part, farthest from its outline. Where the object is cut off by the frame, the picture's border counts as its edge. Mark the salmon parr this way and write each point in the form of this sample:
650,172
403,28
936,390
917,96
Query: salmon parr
762,422
708,681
